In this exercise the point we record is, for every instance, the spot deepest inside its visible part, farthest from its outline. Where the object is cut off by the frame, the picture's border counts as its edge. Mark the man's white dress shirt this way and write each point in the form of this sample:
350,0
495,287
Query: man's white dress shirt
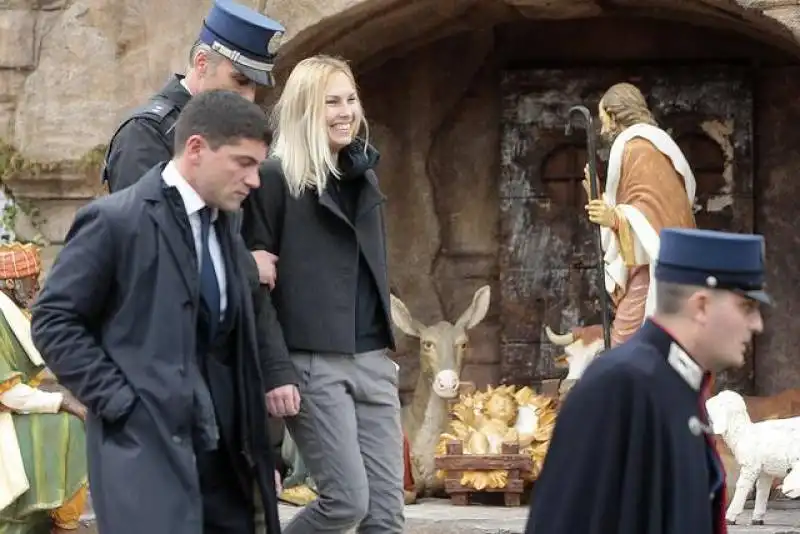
193,204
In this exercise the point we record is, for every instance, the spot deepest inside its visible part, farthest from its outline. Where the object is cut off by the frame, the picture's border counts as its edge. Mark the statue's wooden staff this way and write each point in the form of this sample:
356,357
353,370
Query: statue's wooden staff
593,191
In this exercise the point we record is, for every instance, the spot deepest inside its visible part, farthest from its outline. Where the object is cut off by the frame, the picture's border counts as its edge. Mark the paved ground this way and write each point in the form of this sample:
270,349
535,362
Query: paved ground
440,517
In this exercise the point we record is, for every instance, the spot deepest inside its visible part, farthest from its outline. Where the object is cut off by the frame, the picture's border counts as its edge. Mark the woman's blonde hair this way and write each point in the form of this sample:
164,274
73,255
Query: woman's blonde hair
301,135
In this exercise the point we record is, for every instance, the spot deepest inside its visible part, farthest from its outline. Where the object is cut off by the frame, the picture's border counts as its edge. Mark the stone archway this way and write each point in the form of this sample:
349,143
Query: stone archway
367,32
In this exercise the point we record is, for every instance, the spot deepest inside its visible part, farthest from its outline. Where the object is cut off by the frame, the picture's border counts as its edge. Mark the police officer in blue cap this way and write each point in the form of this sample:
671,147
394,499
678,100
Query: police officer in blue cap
235,50
631,452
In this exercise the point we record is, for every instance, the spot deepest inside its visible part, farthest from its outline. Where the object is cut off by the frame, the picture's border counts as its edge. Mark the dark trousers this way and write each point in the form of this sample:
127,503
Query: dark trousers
226,488
226,507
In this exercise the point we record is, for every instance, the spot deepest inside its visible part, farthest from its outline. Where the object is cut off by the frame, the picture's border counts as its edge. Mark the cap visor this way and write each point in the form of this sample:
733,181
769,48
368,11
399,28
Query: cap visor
260,77
760,296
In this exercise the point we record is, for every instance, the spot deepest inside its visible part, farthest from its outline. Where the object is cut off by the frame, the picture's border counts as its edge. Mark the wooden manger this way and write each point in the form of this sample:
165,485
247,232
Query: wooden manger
455,463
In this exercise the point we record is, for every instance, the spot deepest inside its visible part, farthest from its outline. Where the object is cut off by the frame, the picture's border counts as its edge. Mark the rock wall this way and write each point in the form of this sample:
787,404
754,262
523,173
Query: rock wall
69,71
71,68
778,142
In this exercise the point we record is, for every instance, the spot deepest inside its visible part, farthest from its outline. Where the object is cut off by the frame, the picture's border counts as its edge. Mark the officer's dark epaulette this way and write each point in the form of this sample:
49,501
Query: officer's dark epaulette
156,109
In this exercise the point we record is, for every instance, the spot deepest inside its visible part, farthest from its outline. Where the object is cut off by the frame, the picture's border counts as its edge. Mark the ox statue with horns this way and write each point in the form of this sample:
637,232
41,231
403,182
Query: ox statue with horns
581,345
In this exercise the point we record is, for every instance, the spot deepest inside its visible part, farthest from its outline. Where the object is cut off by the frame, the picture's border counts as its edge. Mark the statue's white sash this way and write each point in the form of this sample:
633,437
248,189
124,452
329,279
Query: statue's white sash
13,481
645,239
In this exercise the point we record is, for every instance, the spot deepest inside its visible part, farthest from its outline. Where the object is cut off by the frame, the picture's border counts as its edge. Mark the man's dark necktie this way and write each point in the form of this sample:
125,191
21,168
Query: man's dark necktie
209,287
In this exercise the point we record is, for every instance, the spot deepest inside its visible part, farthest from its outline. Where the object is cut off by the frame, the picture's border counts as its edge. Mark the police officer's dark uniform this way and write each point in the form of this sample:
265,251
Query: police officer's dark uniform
632,451
145,138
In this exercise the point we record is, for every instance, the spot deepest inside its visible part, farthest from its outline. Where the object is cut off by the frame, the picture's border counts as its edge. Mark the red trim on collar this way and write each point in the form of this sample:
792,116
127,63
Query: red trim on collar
706,385
661,326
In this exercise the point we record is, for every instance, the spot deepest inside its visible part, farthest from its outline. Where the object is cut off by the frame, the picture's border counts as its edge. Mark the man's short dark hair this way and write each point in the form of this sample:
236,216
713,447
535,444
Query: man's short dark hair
670,297
221,118
214,58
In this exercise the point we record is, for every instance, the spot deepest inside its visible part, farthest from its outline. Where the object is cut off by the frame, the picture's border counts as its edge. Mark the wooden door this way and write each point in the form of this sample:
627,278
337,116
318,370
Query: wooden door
548,272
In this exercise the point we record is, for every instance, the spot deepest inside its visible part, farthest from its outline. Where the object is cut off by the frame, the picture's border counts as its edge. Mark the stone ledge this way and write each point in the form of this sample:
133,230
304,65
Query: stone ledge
32,5
59,184
78,179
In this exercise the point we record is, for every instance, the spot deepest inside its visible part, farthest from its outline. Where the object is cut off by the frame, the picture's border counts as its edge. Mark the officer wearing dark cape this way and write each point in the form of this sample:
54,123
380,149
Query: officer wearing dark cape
632,451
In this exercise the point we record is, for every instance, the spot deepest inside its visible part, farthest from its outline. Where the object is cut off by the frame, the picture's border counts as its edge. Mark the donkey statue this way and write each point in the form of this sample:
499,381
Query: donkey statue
442,352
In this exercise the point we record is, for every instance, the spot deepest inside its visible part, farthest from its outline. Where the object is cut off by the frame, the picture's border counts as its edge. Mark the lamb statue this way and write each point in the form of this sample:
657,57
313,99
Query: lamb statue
764,451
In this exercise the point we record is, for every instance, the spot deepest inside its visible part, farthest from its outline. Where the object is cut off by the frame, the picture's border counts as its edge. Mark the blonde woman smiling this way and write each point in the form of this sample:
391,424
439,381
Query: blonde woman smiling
320,210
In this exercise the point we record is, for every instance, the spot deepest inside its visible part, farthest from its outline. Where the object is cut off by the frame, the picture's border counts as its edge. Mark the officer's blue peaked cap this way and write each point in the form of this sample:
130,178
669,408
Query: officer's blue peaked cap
244,36
713,259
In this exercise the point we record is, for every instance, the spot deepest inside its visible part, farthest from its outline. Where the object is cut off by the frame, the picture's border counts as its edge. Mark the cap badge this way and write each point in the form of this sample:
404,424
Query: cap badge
274,43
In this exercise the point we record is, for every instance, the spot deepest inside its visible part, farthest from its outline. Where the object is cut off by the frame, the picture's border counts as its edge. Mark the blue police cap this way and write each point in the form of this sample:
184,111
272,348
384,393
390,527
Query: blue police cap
720,260
244,36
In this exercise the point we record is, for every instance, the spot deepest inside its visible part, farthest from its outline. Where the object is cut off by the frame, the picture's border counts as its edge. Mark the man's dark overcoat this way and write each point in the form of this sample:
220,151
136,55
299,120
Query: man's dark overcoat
116,321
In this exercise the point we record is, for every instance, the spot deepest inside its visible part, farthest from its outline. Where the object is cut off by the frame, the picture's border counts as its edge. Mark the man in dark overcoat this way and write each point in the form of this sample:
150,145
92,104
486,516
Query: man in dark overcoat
147,317
632,451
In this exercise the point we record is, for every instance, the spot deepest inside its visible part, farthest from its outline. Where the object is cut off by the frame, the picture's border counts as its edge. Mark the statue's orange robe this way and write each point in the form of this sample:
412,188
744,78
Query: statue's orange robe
649,183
